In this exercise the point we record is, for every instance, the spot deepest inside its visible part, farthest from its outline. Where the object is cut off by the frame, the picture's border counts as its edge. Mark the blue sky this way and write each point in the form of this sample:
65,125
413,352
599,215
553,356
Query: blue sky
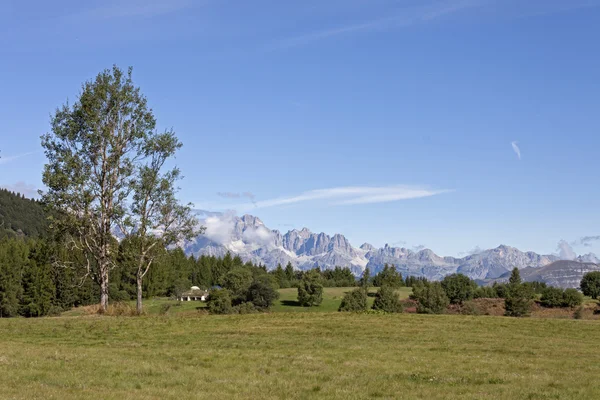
387,121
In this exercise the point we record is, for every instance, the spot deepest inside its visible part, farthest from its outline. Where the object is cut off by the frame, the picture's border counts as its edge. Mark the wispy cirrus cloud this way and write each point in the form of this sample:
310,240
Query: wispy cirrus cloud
401,18
8,159
516,149
348,195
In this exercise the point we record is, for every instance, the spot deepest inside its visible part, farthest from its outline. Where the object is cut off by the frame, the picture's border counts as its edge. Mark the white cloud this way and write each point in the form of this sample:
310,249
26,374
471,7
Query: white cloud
348,195
565,251
516,149
261,236
219,228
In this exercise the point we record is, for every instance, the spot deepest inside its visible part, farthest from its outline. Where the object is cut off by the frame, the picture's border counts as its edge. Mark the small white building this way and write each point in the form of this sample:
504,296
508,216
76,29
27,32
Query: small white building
194,294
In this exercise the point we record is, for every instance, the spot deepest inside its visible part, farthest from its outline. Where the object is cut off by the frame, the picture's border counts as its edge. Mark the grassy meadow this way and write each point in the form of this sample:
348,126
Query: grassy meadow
297,353
299,356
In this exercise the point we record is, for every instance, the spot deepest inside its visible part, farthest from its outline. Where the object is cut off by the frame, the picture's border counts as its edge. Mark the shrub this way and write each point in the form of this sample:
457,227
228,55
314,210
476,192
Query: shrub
245,308
578,314
431,298
501,290
164,309
552,297
459,288
262,295
219,302
387,300
572,298
518,301
355,301
485,292
590,284
310,290
470,308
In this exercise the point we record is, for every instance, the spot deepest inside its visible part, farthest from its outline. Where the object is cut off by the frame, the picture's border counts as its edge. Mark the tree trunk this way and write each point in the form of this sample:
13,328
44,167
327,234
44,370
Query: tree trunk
139,295
103,288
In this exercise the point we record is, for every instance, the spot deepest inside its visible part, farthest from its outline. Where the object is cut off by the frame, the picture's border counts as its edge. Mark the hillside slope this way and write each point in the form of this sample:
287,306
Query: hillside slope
20,216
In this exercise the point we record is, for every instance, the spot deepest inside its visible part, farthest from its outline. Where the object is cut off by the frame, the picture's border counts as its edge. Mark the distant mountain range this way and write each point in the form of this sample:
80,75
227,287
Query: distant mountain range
248,237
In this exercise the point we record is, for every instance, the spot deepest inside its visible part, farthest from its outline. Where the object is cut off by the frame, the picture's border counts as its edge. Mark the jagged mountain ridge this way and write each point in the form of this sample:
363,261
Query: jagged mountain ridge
248,237
563,273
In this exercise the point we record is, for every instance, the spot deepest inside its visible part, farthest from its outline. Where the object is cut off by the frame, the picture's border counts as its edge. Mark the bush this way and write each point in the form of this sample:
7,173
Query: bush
552,297
354,301
485,292
578,314
501,290
431,298
245,308
387,300
262,295
310,290
590,284
518,301
459,288
470,308
572,298
219,302
164,309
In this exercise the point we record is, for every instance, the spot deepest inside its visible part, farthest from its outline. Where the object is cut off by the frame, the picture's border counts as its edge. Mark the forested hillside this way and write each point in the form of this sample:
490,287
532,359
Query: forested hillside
20,216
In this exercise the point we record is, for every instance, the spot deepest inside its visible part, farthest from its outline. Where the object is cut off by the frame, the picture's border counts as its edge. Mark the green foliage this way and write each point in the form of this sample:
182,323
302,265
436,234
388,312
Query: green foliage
338,277
365,280
552,297
13,263
459,288
262,295
515,277
238,280
180,286
310,289
412,281
578,313
281,277
501,289
219,302
245,308
536,287
387,300
20,216
431,298
388,276
519,300
97,152
572,298
485,292
354,301
289,272
590,284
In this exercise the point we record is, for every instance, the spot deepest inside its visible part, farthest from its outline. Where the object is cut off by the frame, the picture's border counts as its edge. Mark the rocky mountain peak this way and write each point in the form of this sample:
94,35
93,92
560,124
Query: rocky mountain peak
367,247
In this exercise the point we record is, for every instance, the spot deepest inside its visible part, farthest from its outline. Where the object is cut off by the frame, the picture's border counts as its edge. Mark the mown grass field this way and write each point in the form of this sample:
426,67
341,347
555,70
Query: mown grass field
299,356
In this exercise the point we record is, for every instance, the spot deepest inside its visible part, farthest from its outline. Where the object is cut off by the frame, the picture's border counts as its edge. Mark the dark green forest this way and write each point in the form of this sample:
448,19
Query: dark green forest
20,216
